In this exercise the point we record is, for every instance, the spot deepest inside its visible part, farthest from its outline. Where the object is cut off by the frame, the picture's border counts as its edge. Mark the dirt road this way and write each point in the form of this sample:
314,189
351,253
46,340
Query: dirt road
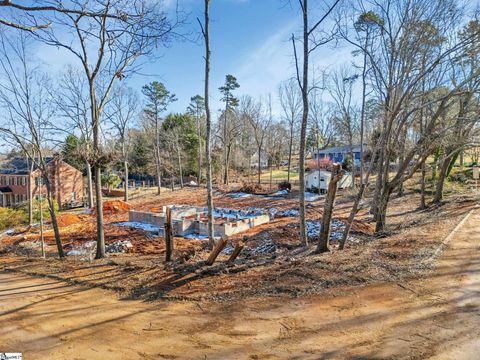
437,317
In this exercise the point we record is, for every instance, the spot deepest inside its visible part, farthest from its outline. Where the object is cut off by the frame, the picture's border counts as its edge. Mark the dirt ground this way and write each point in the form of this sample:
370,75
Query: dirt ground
436,316
273,263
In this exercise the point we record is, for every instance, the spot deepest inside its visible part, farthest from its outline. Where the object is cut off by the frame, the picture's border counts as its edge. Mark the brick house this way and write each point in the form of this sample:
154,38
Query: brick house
15,176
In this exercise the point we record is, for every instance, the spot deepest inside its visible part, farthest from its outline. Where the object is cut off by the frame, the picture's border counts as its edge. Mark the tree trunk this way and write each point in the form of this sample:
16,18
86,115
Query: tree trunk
378,182
303,130
30,199
89,185
381,223
99,205
208,160
216,251
271,175
53,217
125,167
225,152
423,204
441,181
159,177
236,251
435,165
227,164
290,145
362,111
42,237
352,155
353,212
199,163
168,235
158,158
180,170
400,192
324,236
259,174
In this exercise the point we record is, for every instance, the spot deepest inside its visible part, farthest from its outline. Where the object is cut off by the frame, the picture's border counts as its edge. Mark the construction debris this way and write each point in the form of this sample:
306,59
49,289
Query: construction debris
119,247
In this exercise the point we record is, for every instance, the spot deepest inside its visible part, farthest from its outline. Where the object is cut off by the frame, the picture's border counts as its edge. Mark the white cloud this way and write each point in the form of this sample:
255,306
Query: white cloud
263,68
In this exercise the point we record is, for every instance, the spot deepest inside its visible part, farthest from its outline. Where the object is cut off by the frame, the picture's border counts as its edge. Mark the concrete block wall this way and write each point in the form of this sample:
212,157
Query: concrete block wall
182,227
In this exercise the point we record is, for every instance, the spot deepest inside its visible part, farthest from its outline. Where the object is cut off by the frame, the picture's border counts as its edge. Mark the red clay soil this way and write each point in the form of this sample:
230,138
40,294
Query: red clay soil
65,220
435,317
114,207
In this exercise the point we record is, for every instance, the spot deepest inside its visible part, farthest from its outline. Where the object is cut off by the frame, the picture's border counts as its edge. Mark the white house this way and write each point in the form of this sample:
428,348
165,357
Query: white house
263,160
319,179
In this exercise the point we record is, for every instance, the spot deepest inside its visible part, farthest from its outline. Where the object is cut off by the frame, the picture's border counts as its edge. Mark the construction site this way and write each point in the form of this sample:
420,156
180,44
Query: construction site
269,266
264,226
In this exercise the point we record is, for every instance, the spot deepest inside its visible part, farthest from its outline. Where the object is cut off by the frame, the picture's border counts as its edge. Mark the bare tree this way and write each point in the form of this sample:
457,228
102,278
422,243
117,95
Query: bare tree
259,120
107,48
321,118
28,20
26,101
341,90
205,28
398,76
465,118
275,141
197,109
72,101
228,131
310,41
291,103
121,112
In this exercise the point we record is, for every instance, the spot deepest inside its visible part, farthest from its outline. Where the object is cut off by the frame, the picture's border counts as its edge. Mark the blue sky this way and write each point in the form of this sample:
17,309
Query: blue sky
249,39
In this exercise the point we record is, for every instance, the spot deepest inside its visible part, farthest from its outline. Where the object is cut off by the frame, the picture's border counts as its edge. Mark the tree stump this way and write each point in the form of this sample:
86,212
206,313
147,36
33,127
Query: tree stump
168,235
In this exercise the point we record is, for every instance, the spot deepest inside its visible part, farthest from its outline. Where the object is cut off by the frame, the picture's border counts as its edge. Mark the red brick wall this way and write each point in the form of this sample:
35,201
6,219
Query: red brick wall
67,180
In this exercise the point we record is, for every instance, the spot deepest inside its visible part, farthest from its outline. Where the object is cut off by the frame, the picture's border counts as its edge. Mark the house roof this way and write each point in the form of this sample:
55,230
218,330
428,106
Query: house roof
339,149
18,166
324,171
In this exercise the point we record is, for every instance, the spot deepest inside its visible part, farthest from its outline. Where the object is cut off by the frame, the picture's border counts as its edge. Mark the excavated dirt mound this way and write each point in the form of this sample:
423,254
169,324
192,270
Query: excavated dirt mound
65,220
114,207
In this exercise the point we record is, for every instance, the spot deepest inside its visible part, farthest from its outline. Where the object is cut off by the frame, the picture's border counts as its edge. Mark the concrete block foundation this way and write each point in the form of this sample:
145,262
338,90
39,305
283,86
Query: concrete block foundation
188,220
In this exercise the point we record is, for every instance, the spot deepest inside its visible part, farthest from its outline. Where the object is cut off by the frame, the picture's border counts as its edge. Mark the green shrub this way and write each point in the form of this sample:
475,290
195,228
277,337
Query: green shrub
10,218
110,180
45,211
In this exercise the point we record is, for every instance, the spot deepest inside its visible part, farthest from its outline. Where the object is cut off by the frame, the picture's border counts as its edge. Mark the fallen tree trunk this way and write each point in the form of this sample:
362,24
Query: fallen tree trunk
238,249
217,250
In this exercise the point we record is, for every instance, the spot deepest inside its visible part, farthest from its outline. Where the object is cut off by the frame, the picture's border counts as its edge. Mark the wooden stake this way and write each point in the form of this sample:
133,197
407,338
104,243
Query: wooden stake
217,250
168,235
